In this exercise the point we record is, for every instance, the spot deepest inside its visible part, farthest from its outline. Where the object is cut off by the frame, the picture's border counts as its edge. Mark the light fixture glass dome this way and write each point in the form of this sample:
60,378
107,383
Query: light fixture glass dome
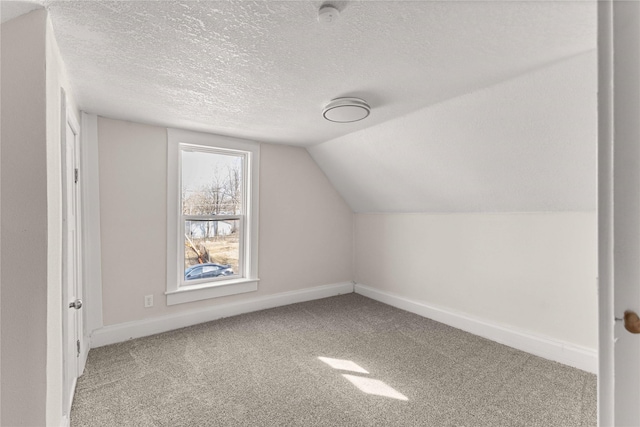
346,110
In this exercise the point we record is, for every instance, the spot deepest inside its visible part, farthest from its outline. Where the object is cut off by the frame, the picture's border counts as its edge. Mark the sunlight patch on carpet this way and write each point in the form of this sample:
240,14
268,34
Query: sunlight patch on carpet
343,365
375,387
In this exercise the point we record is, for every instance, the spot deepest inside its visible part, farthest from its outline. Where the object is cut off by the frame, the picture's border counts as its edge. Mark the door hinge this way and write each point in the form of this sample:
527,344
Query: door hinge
76,175
78,345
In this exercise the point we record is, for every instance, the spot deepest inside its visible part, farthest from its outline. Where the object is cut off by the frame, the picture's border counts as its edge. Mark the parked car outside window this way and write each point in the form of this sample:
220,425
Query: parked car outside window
202,271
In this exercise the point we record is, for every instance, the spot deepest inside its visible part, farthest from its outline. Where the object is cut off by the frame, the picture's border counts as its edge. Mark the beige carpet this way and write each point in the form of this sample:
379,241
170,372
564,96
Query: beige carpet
341,361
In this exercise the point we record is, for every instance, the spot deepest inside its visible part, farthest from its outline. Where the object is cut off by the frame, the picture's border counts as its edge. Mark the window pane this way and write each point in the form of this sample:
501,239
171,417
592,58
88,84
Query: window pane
211,183
212,247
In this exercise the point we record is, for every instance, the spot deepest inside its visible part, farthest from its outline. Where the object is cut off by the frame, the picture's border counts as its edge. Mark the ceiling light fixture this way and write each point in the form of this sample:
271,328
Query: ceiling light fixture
346,110
328,14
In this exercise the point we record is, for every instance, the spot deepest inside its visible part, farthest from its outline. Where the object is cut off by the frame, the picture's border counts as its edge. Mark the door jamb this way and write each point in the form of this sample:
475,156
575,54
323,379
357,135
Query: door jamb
69,117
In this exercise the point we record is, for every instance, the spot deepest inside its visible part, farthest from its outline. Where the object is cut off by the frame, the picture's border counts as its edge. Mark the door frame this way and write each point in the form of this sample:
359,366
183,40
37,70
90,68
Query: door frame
618,210
76,359
605,216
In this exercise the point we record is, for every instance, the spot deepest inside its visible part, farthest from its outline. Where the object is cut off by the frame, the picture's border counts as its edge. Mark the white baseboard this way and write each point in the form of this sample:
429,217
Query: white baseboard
84,354
142,328
579,357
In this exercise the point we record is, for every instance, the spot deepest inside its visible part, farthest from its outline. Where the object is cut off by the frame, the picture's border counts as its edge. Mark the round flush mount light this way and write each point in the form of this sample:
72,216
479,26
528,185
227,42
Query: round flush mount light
328,14
346,110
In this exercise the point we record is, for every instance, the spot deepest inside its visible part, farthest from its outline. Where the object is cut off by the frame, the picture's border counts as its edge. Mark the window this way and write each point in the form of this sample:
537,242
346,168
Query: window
212,194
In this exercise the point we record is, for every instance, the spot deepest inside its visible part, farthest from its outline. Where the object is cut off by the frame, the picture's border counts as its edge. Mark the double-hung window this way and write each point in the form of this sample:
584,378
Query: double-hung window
212,216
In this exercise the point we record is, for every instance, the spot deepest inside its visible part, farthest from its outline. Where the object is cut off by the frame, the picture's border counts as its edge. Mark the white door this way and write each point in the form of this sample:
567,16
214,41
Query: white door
72,318
619,210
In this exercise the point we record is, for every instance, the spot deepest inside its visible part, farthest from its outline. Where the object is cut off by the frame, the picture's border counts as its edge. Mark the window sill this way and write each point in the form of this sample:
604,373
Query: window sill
211,290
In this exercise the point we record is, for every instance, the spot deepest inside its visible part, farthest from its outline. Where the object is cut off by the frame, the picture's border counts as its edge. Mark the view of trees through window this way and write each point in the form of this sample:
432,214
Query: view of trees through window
212,208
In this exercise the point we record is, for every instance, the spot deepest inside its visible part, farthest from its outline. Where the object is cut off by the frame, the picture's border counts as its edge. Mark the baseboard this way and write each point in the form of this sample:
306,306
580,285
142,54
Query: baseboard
84,354
65,421
126,331
579,357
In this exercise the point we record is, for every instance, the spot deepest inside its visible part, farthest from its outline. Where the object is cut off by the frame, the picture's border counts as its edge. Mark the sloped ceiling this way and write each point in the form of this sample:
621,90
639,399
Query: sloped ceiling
528,144
265,69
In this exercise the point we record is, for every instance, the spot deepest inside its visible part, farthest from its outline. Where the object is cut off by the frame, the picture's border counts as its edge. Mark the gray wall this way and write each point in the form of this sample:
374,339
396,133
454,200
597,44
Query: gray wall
306,227
24,221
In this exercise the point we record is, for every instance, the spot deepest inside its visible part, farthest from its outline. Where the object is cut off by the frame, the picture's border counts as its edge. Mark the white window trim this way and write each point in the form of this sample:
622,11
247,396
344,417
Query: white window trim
175,293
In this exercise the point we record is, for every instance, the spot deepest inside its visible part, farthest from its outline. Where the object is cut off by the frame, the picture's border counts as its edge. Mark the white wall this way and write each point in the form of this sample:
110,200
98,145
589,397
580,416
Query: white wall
24,221
534,272
305,226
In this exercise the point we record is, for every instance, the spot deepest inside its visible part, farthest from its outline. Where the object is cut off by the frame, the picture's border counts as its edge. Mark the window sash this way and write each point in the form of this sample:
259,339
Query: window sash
246,173
240,274
211,217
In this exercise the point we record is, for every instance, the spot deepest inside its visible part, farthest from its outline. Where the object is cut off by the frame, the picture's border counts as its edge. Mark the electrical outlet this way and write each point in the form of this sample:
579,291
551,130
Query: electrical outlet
148,301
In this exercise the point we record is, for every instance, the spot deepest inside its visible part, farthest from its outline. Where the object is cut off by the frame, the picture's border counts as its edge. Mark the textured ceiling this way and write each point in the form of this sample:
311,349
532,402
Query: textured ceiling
264,69
527,144
11,9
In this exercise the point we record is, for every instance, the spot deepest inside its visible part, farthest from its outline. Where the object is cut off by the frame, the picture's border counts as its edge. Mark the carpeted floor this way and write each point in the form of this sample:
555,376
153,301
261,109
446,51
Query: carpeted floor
380,366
